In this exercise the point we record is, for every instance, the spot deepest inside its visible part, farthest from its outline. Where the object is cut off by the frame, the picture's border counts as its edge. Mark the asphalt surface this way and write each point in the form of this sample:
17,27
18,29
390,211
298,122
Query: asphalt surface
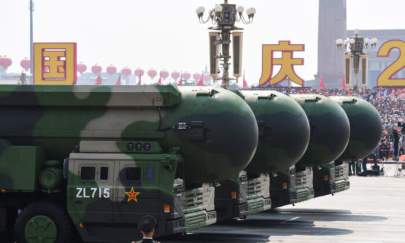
372,211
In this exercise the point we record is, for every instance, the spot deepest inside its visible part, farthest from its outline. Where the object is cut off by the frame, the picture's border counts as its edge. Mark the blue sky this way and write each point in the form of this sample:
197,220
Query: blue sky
165,34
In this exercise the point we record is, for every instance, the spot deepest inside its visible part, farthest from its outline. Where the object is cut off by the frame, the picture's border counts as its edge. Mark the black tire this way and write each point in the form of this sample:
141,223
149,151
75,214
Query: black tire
11,218
53,212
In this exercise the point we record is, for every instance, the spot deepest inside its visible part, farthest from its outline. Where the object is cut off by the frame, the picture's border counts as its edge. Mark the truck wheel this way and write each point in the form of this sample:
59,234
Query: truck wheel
11,218
43,223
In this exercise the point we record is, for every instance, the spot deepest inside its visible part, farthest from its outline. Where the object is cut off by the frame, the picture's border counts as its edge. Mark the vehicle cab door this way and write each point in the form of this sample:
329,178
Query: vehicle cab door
90,190
133,195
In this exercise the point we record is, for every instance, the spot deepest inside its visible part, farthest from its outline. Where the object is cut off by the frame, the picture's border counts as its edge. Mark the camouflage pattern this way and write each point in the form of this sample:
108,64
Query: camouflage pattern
20,167
154,134
330,130
366,127
198,121
284,131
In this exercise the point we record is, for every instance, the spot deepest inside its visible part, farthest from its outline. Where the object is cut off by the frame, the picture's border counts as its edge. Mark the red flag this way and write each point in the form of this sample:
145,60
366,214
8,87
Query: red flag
118,82
180,82
245,83
394,92
344,85
322,83
99,80
200,81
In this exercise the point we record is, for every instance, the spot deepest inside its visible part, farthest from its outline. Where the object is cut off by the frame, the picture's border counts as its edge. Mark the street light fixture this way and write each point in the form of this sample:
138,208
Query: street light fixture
224,17
355,47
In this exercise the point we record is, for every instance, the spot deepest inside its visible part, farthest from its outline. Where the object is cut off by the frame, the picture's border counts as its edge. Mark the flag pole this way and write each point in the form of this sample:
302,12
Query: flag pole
32,39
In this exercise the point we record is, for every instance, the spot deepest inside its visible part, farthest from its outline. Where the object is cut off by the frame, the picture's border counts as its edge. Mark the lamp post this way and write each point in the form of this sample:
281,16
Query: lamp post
224,17
354,48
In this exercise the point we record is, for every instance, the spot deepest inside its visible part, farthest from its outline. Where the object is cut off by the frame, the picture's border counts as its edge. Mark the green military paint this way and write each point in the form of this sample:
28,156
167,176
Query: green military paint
283,131
152,134
330,129
366,127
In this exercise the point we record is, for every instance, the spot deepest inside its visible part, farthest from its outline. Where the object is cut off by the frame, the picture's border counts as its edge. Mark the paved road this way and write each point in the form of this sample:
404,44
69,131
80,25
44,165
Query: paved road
372,211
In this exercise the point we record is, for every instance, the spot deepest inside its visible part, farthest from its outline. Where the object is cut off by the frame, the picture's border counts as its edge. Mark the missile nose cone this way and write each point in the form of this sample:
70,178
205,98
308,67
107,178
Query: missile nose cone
283,131
366,127
231,134
330,129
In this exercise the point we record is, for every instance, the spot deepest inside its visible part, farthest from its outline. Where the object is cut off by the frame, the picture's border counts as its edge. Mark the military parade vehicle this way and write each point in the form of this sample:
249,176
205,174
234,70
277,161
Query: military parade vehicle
330,133
83,162
284,135
95,160
283,139
365,134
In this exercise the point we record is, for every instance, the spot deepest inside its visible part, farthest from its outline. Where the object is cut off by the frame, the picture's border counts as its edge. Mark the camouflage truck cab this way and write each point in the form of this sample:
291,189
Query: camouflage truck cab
108,187
98,159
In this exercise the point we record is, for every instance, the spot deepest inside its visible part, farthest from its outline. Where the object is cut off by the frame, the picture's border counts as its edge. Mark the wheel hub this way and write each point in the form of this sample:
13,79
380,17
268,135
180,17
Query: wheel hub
41,229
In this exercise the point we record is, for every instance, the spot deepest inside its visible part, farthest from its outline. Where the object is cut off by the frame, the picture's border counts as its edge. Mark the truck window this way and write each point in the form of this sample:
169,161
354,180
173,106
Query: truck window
133,174
88,173
104,173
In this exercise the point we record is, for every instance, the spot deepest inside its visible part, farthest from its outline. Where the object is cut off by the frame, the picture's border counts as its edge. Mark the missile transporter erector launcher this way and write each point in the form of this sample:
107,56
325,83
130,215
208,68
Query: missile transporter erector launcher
330,132
96,160
366,127
283,139
284,135
365,134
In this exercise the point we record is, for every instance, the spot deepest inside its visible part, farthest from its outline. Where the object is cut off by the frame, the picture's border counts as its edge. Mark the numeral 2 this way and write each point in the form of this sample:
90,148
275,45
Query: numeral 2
386,77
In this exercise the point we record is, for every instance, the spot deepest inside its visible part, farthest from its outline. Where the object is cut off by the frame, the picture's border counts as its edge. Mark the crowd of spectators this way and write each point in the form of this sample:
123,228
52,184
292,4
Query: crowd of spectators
390,102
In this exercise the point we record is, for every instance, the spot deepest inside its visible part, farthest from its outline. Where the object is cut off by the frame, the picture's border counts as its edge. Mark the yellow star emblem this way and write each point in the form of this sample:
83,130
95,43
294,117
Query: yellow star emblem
132,195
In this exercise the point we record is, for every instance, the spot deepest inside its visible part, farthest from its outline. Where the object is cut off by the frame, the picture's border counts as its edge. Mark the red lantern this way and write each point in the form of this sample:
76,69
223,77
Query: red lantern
164,74
126,71
26,64
81,68
111,70
186,76
152,73
96,69
139,72
5,62
175,75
